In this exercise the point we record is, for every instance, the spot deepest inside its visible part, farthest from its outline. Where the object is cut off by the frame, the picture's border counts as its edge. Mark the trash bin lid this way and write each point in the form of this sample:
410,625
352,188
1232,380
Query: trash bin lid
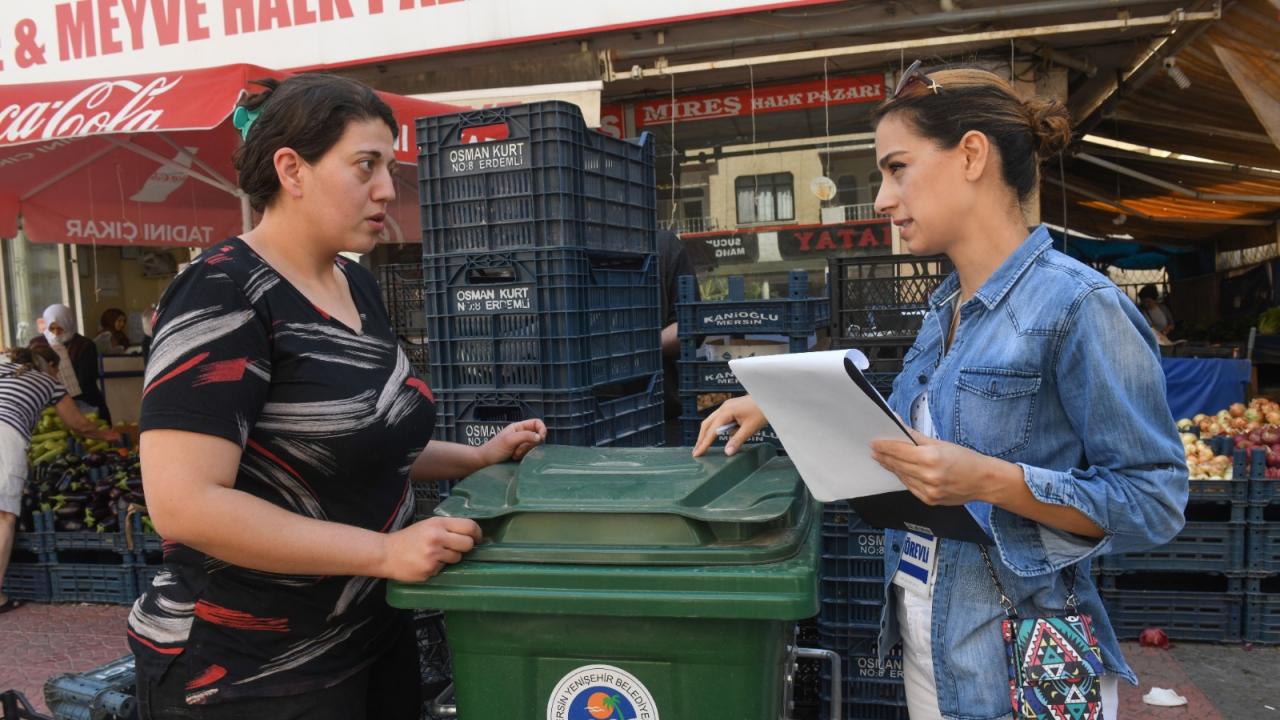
627,506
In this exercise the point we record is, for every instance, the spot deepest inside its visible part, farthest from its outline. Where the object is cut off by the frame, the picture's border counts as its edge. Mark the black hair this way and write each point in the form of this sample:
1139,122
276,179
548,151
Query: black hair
307,113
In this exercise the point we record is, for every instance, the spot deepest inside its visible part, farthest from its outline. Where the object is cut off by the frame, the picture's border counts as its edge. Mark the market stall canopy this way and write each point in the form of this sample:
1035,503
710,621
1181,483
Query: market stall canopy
1188,159
146,160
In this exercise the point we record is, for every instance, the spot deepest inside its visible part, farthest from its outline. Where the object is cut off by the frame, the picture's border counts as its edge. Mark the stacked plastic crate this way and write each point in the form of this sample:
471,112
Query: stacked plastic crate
795,317
1194,586
540,276
1262,591
878,304
405,298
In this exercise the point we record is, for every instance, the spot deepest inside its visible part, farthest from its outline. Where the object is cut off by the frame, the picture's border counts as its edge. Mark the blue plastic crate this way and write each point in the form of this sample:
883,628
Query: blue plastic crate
28,581
1262,619
39,540
708,376
623,415
77,582
1206,546
884,297
532,176
796,314
850,617
105,693
1184,615
542,319
864,711
1264,547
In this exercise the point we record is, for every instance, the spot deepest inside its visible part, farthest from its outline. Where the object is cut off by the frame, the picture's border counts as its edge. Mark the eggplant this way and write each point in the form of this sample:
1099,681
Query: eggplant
64,482
135,497
109,524
70,525
134,483
69,510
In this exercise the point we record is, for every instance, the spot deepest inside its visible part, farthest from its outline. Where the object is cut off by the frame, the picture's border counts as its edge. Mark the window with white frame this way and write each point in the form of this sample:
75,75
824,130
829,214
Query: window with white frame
765,198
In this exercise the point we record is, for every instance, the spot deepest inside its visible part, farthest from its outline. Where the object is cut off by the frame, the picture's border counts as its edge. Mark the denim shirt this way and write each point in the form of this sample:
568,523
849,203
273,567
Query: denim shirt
1053,368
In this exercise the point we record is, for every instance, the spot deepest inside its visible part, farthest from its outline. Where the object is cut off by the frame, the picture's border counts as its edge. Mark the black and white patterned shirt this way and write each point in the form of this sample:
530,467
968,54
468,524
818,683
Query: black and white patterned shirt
330,421
24,395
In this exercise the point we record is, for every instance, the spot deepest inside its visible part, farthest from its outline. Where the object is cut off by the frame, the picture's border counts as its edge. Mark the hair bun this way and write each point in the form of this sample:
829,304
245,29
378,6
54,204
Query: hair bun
1050,125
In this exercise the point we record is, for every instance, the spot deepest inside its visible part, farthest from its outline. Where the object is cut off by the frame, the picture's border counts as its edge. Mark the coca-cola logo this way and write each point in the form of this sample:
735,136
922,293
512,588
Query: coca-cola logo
109,106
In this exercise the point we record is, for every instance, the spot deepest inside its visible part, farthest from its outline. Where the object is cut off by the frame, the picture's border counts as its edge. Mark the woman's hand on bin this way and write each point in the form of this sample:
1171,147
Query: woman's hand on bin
741,411
423,549
513,442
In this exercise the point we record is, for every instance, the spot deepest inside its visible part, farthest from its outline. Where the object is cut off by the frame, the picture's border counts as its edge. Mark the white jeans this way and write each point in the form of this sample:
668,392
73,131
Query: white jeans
13,468
915,618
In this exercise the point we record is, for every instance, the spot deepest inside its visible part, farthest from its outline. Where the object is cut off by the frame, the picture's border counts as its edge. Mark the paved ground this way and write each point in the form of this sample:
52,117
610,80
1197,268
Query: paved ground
1221,682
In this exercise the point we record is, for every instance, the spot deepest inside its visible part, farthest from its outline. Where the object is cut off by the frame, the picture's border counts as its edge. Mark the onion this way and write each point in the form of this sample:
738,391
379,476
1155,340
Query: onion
1215,428
1236,409
1273,458
1154,637
1243,442
1273,418
1239,423
1199,418
1255,436
1270,435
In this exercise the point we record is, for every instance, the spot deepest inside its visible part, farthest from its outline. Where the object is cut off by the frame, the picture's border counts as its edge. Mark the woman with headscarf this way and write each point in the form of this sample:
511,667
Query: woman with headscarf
78,368
111,338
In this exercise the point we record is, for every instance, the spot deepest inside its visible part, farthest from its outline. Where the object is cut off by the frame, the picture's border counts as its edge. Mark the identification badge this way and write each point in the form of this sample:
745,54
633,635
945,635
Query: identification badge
916,563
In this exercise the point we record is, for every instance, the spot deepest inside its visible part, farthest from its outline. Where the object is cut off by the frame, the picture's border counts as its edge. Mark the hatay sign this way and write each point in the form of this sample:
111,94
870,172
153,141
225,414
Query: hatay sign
54,40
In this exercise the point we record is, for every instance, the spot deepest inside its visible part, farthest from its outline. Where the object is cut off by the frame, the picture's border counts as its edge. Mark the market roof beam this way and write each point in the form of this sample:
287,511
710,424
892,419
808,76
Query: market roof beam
929,21
661,69
1174,187
1189,126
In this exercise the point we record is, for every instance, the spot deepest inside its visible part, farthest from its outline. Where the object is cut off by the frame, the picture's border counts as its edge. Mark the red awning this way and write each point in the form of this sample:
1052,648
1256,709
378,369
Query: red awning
146,160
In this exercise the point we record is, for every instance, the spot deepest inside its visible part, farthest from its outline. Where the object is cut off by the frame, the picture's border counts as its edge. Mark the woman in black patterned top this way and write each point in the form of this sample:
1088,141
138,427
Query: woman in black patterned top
282,427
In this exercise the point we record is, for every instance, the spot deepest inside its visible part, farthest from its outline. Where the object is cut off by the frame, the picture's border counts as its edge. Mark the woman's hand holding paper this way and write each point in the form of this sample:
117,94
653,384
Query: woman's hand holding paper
943,473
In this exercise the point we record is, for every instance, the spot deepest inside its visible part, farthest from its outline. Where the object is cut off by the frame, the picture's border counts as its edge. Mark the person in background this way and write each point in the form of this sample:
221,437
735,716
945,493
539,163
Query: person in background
673,261
1156,313
28,384
111,339
79,369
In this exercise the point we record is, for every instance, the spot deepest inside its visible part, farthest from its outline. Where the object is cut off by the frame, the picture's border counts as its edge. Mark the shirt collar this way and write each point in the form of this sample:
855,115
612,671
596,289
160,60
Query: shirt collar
1004,278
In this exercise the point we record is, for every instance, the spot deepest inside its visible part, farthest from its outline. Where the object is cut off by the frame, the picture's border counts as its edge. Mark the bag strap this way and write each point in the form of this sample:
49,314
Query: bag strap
1009,609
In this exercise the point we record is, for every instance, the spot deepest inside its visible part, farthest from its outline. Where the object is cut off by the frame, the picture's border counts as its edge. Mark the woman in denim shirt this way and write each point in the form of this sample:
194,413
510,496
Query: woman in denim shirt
1034,388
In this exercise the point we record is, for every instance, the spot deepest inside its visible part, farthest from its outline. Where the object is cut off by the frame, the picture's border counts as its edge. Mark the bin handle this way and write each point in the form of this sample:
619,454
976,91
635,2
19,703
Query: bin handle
837,677
441,708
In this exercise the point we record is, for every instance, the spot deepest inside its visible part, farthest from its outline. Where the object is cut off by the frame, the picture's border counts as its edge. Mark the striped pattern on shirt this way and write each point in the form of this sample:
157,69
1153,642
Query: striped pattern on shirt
24,395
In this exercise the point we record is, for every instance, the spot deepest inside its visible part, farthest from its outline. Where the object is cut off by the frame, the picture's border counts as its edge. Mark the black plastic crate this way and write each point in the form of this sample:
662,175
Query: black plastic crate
1263,489
849,617
78,582
38,540
622,415
1205,546
404,293
796,314
882,297
28,581
105,693
1264,539
533,176
851,710
708,376
691,423
1208,617
542,319
1262,619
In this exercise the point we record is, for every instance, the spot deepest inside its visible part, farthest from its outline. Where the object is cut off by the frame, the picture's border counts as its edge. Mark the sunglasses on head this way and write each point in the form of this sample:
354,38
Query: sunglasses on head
911,76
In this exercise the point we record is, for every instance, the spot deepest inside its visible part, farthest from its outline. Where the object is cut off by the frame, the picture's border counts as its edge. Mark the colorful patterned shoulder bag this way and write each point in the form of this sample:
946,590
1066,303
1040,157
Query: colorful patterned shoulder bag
1055,667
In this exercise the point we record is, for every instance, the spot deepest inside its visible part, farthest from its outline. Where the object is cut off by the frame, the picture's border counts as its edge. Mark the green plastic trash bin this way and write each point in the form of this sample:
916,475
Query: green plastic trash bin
627,583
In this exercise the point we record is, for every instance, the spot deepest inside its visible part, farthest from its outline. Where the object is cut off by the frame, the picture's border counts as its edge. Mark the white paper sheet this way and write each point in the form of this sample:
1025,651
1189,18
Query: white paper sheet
824,420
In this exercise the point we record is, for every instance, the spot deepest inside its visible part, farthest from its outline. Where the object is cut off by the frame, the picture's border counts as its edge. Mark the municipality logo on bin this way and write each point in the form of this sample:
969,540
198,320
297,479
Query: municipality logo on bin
600,692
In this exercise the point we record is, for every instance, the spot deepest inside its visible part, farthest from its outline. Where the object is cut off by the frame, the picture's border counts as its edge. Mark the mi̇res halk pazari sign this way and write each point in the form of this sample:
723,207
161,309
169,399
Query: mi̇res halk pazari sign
53,40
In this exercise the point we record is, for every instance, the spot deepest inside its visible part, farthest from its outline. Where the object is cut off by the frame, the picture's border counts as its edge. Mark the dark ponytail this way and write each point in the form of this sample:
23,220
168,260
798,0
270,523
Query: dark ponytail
1025,132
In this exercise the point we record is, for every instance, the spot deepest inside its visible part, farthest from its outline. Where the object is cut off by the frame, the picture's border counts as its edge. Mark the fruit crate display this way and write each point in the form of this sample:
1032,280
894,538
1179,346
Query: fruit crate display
796,314
1189,606
105,693
533,176
553,319
882,298
404,294
620,415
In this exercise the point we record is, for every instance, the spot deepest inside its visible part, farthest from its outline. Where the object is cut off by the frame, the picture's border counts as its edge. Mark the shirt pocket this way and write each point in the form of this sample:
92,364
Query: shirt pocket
994,408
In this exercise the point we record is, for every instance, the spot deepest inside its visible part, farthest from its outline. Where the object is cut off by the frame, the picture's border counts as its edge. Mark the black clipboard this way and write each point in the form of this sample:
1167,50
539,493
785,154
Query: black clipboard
900,509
